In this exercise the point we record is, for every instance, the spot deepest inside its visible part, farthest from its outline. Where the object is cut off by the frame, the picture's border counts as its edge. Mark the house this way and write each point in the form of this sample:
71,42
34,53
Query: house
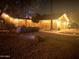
57,24
45,24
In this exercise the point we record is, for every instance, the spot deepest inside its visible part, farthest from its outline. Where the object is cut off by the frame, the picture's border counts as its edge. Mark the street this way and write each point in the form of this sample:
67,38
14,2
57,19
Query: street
42,45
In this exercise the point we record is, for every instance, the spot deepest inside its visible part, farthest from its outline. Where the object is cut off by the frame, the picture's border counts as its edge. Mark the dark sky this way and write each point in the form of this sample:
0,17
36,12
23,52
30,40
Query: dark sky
21,8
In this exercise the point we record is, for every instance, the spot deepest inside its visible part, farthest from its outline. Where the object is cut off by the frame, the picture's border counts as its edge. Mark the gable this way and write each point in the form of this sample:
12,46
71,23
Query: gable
64,18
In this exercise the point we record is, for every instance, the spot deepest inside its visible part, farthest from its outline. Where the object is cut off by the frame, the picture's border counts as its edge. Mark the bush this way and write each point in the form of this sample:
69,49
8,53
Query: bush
28,29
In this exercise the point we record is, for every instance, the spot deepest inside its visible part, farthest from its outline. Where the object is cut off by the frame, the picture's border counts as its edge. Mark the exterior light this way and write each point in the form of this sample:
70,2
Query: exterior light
66,17
58,23
5,15
46,21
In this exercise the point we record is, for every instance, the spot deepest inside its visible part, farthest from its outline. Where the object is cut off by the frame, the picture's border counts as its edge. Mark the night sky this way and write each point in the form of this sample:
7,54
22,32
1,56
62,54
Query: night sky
23,8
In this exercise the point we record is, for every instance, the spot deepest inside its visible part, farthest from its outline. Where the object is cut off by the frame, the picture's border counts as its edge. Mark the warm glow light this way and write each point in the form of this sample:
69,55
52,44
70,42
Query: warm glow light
46,21
11,20
58,23
64,23
65,16
67,23
15,21
5,15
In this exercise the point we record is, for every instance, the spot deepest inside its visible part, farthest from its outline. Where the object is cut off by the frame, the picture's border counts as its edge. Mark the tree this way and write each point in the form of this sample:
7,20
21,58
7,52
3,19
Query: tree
36,18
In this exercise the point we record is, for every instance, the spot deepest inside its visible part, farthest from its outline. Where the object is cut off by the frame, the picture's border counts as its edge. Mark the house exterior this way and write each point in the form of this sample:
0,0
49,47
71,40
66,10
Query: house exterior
57,24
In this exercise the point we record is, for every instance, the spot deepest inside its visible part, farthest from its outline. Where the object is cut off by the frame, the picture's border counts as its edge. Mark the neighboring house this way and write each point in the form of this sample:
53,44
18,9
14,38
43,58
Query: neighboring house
45,24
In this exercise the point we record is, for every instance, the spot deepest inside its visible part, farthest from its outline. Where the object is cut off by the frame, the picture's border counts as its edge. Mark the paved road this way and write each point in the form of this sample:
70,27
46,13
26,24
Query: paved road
42,46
